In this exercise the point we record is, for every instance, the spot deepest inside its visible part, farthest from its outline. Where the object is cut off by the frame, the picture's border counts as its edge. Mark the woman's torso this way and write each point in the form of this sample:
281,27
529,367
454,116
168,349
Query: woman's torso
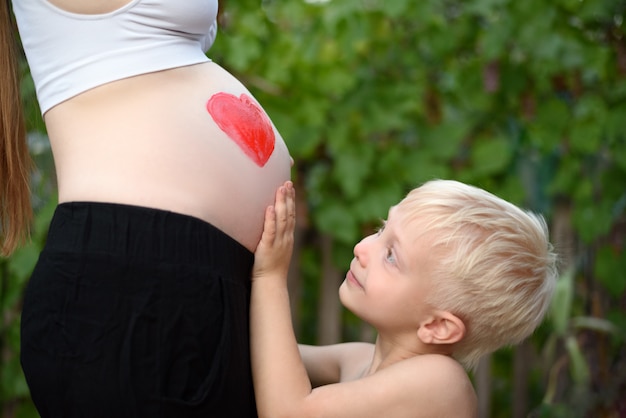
150,140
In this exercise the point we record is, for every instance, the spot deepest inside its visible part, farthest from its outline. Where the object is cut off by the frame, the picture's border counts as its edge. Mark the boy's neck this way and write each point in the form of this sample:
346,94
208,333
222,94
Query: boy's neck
388,351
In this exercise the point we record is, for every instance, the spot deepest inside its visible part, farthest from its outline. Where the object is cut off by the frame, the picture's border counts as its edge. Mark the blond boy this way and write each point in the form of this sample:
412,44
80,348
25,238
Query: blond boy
453,274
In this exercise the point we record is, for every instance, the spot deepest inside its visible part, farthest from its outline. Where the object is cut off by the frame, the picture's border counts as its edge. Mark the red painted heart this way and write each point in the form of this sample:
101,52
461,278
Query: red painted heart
245,123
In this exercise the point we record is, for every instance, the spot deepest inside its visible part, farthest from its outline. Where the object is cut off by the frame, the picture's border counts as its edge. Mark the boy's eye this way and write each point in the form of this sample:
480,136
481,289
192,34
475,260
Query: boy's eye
390,257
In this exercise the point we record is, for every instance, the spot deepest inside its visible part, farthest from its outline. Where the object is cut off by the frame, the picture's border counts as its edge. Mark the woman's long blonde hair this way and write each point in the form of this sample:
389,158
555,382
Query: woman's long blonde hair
15,162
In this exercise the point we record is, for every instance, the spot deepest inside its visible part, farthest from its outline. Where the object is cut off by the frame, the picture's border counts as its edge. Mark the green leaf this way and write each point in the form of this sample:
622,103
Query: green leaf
595,324
12,380
578,364
351,169
561,305
444,140
376,201
570,5
592,219
590,117
23,262
585,136
610,269
421,165
334,219
548,129
567,178
395,8
490,155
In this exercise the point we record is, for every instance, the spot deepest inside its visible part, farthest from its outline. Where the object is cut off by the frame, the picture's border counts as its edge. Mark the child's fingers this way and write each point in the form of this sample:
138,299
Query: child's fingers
281,210
273,252
291,206
285,210
269,226
280,218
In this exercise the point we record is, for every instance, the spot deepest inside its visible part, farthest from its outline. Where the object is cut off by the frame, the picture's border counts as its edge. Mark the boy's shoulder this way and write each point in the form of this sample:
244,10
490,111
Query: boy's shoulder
434,381
426,385
434,371
440,382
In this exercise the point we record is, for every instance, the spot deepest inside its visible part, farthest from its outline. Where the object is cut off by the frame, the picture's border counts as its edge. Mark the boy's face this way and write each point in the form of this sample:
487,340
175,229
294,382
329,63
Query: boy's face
388,278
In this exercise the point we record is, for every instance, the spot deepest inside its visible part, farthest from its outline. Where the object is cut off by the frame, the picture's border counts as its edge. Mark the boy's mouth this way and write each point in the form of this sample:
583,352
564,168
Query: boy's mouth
350,278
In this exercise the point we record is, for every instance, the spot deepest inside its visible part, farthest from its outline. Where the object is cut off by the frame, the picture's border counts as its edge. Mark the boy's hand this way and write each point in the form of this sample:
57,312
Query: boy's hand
273,254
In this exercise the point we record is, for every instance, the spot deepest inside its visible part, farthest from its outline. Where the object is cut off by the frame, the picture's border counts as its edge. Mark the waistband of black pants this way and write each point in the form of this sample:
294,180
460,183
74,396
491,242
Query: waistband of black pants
145,233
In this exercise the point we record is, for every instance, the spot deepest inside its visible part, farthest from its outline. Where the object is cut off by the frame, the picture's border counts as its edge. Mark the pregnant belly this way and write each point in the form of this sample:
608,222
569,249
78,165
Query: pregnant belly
191,140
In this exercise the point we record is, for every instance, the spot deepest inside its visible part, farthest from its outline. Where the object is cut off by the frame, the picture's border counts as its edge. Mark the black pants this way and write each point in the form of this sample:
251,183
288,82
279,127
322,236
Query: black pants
136,312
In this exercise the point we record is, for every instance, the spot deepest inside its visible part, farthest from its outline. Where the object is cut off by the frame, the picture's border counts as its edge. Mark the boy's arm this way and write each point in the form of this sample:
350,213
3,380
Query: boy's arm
279,375
322,369
335,363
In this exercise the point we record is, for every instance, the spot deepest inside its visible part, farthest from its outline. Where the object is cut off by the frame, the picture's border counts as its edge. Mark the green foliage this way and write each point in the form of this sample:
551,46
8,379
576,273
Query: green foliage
524,98
564,348
610,269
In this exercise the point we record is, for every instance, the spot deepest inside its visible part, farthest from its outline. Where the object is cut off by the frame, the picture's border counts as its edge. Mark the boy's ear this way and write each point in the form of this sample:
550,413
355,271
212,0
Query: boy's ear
441,328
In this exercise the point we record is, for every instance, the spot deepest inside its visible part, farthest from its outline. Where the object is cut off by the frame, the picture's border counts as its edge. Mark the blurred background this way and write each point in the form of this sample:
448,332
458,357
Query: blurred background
526,99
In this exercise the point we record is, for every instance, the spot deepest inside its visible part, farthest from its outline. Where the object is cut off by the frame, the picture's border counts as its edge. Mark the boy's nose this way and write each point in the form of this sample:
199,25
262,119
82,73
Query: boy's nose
360,250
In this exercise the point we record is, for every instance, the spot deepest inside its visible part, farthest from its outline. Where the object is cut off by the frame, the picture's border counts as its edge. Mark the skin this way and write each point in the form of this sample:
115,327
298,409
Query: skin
89,6
149,140
408,372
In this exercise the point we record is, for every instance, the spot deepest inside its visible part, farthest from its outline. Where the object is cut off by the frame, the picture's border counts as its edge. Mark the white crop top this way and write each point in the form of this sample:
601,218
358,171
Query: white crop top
70,53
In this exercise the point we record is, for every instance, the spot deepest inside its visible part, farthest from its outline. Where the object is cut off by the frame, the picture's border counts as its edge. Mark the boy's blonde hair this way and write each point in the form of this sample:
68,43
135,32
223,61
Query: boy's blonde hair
492,263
